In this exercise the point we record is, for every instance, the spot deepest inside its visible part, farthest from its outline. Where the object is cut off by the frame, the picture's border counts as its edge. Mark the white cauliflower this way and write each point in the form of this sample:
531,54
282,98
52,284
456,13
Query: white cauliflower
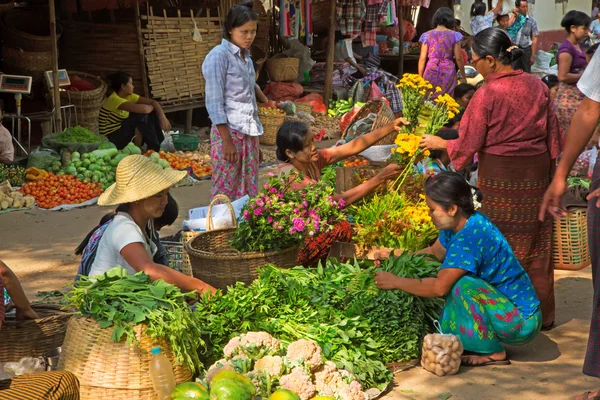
254,345
328,379
272,365
352,391
305,352
298,382
217,367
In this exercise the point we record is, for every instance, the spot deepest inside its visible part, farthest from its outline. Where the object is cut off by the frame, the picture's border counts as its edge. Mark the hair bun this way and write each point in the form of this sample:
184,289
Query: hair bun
515,55
247,3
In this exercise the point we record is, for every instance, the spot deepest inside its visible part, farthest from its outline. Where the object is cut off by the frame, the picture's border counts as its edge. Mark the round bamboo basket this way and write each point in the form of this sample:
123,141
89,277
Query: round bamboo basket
282,68
570,247
109,370
215,262
27,31
384,117
271,124
20,62
33,338
303,107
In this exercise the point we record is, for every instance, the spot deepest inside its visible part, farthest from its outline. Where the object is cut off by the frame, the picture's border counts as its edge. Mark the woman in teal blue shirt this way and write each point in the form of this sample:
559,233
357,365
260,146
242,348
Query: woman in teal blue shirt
489,297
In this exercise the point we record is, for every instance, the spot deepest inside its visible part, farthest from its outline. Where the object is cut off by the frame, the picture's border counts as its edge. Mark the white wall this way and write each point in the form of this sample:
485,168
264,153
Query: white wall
547,13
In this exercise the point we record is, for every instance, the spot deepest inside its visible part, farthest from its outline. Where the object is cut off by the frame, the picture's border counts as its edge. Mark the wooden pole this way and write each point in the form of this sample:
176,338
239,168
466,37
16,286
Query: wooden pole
401,39
57,110
138,26
327,93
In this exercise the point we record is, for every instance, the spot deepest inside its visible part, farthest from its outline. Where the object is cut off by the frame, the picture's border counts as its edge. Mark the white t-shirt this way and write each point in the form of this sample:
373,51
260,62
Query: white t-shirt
343,50
120,232
589,83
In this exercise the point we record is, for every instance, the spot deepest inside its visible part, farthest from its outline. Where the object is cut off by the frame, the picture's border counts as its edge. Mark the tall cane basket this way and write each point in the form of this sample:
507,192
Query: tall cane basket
384,117
215,262
570,247
109,370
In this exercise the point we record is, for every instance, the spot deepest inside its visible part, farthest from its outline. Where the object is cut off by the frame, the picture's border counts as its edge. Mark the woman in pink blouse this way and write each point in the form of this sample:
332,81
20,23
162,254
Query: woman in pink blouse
511,125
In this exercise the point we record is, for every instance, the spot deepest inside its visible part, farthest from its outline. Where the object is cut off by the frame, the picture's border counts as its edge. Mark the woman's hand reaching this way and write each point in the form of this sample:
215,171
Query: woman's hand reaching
389,172
397,124
432,142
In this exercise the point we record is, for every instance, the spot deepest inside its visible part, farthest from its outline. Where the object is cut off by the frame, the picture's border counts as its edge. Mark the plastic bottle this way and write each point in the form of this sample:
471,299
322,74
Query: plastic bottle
161,372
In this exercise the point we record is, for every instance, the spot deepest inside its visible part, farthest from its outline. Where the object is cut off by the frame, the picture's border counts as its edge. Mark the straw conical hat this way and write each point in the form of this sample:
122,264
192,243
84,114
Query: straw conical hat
138,178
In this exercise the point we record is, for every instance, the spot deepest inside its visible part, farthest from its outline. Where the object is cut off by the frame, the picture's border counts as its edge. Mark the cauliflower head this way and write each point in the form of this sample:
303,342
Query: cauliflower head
328,379
298,382
352,391
305,352
272,365
254,345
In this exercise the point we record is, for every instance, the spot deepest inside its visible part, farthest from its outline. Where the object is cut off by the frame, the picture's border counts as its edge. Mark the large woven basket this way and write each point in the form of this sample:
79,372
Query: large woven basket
570,247
17,61
282,68
384,117
87,103
109,370
271,124
33,338
215,262
28,31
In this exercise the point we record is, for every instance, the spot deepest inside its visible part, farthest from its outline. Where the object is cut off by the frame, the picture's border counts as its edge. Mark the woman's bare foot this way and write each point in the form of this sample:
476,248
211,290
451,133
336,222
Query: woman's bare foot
475,359
25,314
588,395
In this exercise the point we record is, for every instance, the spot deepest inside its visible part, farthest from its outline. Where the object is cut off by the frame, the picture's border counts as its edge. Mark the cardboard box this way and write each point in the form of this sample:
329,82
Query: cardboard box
343,251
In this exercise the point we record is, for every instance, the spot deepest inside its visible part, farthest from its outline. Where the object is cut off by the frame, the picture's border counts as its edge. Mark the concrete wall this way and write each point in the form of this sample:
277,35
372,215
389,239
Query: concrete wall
547,13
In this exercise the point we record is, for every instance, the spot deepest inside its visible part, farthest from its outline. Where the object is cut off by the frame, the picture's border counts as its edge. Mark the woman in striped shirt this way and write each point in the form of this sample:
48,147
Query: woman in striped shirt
126,116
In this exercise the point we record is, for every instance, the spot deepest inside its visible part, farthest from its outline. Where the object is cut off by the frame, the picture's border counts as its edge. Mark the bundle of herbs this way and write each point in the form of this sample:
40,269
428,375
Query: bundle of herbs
338,306
116,299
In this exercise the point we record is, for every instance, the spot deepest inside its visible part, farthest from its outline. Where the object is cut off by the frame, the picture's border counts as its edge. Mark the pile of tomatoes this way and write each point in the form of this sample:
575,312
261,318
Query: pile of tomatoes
181,163
56,190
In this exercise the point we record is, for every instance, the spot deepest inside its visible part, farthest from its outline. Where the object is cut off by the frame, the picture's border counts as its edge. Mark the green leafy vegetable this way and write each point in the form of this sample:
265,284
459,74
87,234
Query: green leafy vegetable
120,300
357,326
77,134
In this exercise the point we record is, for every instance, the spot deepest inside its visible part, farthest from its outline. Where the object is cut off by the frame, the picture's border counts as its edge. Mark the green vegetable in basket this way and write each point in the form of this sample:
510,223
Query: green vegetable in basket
106,146
77,134
118,300
101,153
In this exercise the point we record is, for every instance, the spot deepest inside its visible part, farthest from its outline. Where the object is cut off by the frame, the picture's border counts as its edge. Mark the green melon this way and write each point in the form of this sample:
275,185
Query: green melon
190,391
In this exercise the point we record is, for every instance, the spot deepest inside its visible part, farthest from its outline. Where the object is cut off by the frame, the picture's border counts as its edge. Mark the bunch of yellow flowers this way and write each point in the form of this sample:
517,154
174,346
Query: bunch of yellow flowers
414,81
417,214
408,145
451,105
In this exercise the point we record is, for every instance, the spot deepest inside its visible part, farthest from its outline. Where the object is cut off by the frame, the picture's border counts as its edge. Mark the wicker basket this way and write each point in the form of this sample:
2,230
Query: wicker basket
384,117
215,262
28,31
16,61
271,124
109,370
570,248
33,338
282,68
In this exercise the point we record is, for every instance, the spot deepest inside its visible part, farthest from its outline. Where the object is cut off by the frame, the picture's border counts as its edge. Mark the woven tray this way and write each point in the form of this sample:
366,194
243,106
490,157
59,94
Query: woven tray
33,338
384,117
570,247
109,370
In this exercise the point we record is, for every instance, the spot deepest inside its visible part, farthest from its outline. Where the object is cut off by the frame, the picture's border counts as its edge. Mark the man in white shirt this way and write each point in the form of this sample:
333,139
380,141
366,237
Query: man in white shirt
581,130
344,52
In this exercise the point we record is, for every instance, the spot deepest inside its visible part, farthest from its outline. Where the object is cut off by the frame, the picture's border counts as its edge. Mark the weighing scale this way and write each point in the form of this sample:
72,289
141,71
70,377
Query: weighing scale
18,85
63,78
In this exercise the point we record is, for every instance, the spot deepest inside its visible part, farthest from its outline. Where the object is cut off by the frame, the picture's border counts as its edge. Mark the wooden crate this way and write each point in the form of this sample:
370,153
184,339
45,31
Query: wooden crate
173,59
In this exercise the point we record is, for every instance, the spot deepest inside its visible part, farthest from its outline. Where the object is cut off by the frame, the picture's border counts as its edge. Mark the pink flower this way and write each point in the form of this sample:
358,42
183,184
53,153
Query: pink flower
305,203
258,211
304,214
342,203
311,233
246,215
271,174
260,202
312,213
266,186
279,228
296,211
269,219
317,226
273,190
292,231
299,224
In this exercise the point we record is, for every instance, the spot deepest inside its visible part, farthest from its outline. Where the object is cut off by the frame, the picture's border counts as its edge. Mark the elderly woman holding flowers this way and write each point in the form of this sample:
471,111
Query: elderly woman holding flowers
299,156
511,125
489,298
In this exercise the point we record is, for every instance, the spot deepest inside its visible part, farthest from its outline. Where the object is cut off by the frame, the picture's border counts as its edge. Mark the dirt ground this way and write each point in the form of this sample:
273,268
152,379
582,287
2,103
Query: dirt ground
38,246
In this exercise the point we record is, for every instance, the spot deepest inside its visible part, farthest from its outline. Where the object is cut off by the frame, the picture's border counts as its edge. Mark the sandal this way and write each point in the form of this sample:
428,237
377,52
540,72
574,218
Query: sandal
585,396
490,361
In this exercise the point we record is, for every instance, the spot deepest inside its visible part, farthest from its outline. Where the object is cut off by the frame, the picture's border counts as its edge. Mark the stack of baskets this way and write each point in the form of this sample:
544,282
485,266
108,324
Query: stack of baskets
384,116
215,262
87,103
109,370
33,338
570,247
27,48
282,68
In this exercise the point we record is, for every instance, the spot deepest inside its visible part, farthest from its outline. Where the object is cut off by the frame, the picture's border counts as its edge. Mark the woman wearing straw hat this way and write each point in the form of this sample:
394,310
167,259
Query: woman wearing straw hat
141,192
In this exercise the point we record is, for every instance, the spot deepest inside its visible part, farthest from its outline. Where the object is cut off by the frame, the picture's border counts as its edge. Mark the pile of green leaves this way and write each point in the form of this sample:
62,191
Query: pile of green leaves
358,327
77,134
328,174
120,300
